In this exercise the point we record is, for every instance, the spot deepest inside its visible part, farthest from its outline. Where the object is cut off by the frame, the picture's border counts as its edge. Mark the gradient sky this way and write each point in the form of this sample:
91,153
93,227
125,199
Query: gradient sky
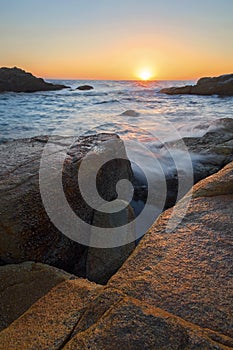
117,39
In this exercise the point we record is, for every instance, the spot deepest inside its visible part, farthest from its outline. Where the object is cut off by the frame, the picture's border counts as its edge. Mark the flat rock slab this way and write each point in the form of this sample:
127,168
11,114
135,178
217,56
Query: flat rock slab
22,285
188,272
81,315
130,324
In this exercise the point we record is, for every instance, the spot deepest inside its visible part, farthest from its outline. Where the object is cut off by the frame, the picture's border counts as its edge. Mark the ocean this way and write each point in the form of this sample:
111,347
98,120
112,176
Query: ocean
132,109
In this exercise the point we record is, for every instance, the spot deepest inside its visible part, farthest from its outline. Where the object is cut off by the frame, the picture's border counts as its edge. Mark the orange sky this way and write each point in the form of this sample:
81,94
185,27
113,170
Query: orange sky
105,40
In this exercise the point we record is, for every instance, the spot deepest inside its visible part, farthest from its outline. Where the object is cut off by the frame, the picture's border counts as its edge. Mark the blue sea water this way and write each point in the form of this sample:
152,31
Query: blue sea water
74,112
134,110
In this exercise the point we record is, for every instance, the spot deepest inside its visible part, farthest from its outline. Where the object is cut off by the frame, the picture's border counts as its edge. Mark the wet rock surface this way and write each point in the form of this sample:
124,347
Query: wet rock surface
17,80
131,113
208,154
173,292
222,85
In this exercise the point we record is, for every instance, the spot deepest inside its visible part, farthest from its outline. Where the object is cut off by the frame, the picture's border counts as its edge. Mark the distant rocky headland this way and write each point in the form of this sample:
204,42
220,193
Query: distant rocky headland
17,80
222,86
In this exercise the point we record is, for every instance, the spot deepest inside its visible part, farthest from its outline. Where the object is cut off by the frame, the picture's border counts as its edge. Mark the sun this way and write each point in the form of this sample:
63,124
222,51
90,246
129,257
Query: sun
145,74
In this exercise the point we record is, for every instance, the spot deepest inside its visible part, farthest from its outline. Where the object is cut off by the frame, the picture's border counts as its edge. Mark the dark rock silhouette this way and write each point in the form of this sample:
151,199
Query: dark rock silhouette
17,80
85,87
222,86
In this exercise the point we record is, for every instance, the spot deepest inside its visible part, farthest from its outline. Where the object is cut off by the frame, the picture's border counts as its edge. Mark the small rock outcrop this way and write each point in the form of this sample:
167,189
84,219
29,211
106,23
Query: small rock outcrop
130,113
222,86
17,80
22,285
85,87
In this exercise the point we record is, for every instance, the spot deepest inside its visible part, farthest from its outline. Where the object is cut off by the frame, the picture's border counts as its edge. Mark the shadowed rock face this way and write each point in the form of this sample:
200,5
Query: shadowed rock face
26,232
101,263
222,85
173,292
22,285
17,80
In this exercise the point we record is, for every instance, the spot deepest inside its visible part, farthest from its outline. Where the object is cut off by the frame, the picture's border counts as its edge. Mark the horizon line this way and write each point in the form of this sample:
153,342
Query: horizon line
102,79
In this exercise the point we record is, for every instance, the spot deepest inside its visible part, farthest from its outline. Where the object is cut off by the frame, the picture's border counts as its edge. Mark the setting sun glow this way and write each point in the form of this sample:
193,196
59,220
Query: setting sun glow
119,40
145,74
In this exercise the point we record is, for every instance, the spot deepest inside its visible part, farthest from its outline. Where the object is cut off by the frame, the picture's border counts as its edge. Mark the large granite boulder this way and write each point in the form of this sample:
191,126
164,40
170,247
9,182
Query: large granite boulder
22,285
188,272
173,292
17,80
222,85
26,232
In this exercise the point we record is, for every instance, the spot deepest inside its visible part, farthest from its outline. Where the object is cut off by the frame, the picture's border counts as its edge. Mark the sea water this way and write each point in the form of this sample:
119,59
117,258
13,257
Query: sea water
74,112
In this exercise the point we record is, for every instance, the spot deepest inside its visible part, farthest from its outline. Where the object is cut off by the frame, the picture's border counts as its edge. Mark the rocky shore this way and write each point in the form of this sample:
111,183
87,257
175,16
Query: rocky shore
173,292
222,86
17,80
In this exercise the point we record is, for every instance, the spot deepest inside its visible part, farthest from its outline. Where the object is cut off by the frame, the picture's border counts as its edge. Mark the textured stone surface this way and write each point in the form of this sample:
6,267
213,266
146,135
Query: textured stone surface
130,324
188,272
17,80
22,285
26,232
81,315
222,85
49,323
173,292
